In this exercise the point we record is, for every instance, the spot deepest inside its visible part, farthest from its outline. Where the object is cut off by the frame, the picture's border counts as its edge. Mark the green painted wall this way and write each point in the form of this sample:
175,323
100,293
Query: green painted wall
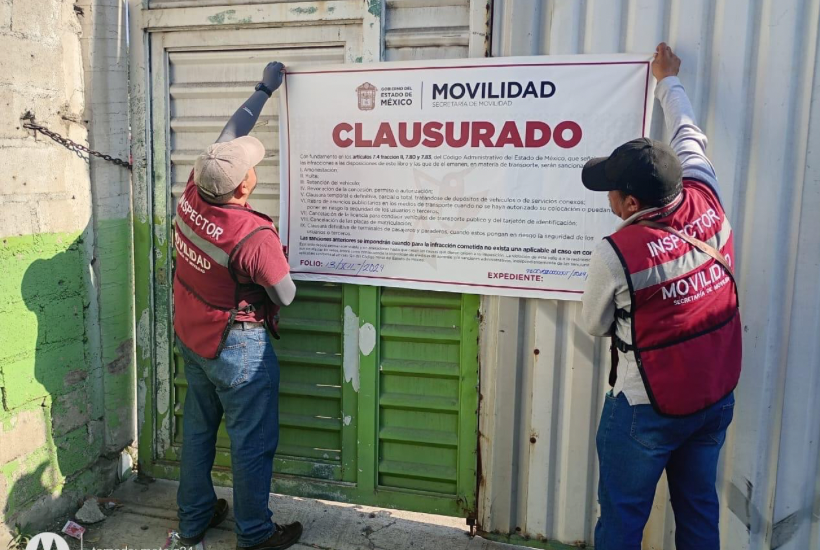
116,319
51,436
66,321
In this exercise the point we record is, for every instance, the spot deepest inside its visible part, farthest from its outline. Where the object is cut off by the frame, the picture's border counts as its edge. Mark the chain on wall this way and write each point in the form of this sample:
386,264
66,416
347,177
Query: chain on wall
73,146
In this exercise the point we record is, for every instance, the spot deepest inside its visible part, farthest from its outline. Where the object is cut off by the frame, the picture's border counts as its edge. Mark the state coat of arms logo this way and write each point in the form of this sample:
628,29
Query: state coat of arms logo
367,96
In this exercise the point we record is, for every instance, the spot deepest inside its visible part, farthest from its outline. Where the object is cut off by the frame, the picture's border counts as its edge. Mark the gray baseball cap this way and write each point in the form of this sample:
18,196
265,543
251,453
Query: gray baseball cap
223,166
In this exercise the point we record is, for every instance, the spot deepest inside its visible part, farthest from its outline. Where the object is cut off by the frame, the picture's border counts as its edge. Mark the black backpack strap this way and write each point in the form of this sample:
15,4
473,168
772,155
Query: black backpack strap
613,355
615,346
621,345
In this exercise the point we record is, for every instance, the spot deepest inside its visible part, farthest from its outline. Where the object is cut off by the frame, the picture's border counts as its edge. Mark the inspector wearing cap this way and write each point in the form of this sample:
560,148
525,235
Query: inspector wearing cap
662,287
231,278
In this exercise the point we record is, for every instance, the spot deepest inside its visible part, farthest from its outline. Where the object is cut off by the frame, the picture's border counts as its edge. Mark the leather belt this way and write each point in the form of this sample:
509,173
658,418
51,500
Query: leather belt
247,325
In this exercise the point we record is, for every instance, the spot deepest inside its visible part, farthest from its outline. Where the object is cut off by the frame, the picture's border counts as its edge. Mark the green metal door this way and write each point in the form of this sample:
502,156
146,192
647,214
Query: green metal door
378,396
427,381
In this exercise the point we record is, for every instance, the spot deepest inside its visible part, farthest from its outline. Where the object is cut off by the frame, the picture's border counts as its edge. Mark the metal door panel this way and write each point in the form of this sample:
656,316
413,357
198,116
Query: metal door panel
394,425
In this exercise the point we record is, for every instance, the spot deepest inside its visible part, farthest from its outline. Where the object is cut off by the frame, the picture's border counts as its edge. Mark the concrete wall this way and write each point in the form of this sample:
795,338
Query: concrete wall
66,384
105,60
752,71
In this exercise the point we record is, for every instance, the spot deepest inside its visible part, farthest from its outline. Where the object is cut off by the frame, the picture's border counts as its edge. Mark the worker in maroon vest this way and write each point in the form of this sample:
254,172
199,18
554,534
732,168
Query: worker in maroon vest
231,278
662,287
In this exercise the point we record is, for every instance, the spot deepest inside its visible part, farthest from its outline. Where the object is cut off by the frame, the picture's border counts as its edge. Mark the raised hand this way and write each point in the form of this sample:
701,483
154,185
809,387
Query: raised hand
273,74
665,62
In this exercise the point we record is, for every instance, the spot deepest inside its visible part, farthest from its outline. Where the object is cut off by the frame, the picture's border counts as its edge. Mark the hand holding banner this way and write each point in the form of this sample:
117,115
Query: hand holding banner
459,176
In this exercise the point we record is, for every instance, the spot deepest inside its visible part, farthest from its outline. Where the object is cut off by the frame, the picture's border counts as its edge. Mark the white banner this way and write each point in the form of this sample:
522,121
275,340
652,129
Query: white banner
459,176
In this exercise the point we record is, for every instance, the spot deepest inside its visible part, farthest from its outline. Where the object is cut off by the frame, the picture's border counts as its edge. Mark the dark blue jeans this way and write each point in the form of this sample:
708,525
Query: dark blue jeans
242,383
635,445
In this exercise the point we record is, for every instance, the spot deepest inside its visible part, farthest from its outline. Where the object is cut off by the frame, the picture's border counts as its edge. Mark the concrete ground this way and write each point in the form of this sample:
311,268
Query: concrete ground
148,511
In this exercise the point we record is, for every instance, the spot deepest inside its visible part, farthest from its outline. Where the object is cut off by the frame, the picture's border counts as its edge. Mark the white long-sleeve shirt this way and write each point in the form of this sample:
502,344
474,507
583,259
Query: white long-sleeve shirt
606,287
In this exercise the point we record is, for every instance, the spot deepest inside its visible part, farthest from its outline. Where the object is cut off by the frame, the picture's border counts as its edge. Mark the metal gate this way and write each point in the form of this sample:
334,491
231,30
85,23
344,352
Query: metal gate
378,391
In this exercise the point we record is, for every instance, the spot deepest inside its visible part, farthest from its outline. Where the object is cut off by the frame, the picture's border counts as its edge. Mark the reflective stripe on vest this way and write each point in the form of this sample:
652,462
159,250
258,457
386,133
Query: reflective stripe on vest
684,316
214,252
678,267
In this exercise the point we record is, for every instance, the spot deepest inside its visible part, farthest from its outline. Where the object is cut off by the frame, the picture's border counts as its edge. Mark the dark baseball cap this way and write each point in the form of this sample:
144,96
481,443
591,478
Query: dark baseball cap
644,168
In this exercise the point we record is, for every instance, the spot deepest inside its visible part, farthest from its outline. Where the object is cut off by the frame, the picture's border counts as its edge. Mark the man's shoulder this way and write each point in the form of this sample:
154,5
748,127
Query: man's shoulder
703,187
259,247
626,237
604,247
262,236
261,257
605,254
699,184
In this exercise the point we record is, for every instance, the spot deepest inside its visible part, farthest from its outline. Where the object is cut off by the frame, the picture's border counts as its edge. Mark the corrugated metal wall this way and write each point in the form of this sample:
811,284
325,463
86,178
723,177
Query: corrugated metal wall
750,68
426,29
204,88
413,29
156,4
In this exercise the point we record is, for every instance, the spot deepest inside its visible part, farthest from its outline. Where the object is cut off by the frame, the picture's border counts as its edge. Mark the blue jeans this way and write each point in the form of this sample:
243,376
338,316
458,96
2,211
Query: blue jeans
635,445
242,383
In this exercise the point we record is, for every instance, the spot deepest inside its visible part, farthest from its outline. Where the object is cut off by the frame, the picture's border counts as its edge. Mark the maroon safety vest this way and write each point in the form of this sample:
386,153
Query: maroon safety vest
206,290
686,331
